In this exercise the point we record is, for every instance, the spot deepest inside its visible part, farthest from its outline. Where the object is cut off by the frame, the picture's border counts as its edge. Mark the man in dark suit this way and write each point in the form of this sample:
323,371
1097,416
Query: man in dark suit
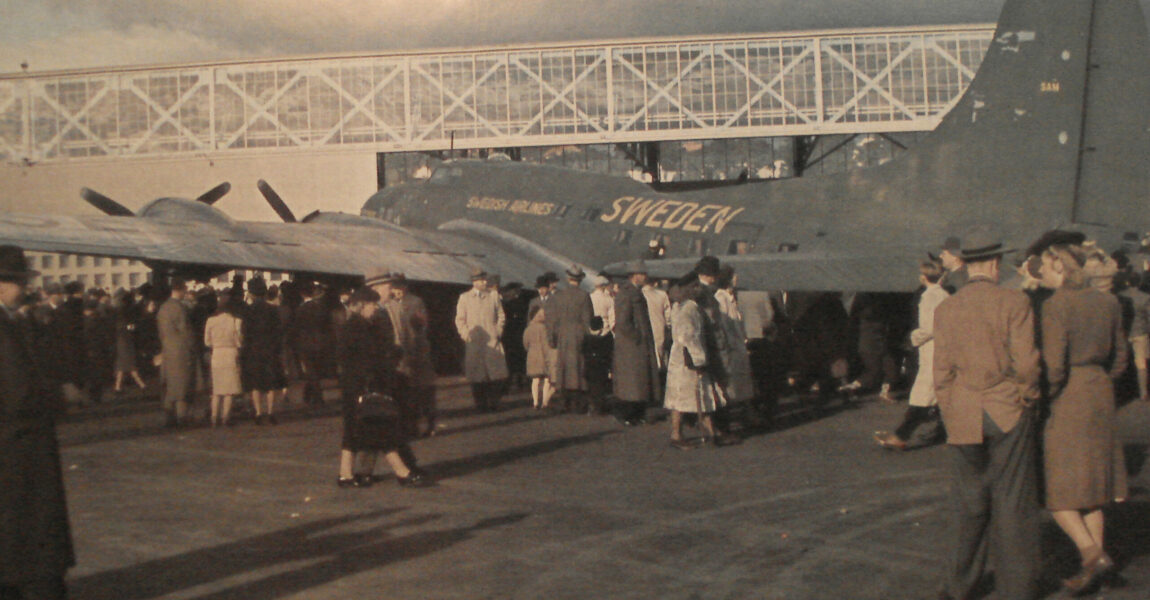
986,371
35,540
313,340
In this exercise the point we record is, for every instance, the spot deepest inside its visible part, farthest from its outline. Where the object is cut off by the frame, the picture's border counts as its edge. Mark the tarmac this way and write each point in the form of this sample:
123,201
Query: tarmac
526,504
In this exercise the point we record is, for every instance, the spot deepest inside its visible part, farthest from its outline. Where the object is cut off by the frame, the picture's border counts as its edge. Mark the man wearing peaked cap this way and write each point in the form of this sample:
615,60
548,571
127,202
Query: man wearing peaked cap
35,540
986,372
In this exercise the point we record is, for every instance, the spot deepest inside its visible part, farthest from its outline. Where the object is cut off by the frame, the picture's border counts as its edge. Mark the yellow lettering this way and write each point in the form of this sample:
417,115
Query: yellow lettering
638,210
722,217
693,224
662,209
616,208
519,206
676,219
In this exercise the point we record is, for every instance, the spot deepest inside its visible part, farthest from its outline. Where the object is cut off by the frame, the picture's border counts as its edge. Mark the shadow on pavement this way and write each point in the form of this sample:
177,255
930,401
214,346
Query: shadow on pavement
465,466
332,555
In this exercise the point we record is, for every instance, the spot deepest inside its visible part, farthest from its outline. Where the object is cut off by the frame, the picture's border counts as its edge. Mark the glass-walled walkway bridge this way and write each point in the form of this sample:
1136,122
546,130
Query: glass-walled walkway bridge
784,84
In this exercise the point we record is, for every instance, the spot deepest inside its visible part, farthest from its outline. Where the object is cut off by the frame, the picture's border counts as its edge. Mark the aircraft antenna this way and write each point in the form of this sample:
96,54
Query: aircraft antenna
1082,124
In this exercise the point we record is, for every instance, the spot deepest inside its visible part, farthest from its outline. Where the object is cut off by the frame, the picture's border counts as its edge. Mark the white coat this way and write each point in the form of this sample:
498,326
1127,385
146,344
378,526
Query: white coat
689,390
479,319
922,392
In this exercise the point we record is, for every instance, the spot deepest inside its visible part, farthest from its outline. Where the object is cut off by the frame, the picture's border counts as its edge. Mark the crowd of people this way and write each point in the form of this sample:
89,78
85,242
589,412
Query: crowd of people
1004,376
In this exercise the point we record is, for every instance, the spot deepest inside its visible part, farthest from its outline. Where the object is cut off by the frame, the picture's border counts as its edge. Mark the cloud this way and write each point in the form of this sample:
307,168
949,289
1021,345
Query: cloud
75,33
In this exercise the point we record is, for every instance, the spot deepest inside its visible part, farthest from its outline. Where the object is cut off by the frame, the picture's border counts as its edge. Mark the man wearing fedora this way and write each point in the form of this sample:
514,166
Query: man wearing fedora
178,354
35,539
986,372
409,322
635,363
568,318
479,319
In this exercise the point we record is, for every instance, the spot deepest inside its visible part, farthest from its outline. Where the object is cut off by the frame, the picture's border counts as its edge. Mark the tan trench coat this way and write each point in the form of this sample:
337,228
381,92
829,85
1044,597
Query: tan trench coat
479,319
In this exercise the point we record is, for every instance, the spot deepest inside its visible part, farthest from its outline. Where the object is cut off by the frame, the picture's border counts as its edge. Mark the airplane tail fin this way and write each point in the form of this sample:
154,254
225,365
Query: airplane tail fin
1054,127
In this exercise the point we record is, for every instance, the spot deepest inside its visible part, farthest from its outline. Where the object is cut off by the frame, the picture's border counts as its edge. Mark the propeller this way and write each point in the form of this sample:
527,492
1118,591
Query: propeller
276,202
209,197
106,205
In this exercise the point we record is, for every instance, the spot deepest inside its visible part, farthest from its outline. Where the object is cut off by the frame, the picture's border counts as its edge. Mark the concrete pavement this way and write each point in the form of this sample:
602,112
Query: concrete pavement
527,505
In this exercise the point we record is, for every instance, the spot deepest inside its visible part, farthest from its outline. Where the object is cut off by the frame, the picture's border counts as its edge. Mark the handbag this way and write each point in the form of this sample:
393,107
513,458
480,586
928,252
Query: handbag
376,406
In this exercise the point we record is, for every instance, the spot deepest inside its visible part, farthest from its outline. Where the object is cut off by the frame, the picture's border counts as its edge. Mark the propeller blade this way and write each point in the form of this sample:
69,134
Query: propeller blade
106,205
209,197
276,202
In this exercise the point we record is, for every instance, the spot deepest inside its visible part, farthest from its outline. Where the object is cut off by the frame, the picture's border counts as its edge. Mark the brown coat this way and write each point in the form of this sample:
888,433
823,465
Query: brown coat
984,359
568,315
1084,348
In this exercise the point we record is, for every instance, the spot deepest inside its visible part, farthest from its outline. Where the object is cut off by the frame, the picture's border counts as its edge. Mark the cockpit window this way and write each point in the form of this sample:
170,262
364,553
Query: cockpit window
445,173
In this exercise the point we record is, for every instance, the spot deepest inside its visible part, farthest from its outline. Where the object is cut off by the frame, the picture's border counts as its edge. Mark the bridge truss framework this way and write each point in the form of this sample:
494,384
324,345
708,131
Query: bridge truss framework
794,84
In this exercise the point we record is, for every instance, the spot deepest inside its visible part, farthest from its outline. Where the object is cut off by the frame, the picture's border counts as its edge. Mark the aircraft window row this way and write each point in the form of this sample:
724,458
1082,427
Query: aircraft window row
561,212
592,214
738,247
623,238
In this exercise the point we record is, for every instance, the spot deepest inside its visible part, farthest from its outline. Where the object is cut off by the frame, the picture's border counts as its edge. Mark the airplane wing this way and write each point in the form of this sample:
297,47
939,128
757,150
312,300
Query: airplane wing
878,270
446,256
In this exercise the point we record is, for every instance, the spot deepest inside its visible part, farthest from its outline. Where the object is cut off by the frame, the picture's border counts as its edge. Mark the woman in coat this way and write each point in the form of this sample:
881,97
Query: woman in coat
223,338
126,317
1084,349
365,360
736,360
691,367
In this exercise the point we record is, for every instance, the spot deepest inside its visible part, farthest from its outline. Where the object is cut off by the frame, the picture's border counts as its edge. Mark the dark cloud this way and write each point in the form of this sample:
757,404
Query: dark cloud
210,30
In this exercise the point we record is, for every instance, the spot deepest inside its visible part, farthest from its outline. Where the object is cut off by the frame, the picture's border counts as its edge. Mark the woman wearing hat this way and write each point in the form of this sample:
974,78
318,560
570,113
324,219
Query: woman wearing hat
366,369
691,385
1084,349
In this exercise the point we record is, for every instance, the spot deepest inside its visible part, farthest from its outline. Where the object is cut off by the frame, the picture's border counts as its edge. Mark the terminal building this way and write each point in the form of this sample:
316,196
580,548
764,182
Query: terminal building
327,131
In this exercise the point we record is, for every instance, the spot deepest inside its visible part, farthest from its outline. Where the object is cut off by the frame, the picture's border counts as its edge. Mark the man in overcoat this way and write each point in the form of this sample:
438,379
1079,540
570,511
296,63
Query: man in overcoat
35,539
408,320
313,339
986,372
636,364
479,320
178,354
568,320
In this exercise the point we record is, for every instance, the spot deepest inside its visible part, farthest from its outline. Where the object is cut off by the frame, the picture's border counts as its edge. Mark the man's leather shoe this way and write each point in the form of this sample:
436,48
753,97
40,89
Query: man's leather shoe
345,482
889,440
362,481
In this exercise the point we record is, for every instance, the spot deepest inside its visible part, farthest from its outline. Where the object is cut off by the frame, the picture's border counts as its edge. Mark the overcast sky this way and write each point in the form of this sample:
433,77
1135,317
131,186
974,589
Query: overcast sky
63,34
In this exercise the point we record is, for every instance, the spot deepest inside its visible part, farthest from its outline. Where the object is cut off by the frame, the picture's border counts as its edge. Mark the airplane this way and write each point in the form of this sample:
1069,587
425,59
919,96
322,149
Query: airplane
1052,132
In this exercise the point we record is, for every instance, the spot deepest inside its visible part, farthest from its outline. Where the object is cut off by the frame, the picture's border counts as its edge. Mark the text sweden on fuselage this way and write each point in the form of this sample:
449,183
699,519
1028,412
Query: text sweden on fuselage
631,210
